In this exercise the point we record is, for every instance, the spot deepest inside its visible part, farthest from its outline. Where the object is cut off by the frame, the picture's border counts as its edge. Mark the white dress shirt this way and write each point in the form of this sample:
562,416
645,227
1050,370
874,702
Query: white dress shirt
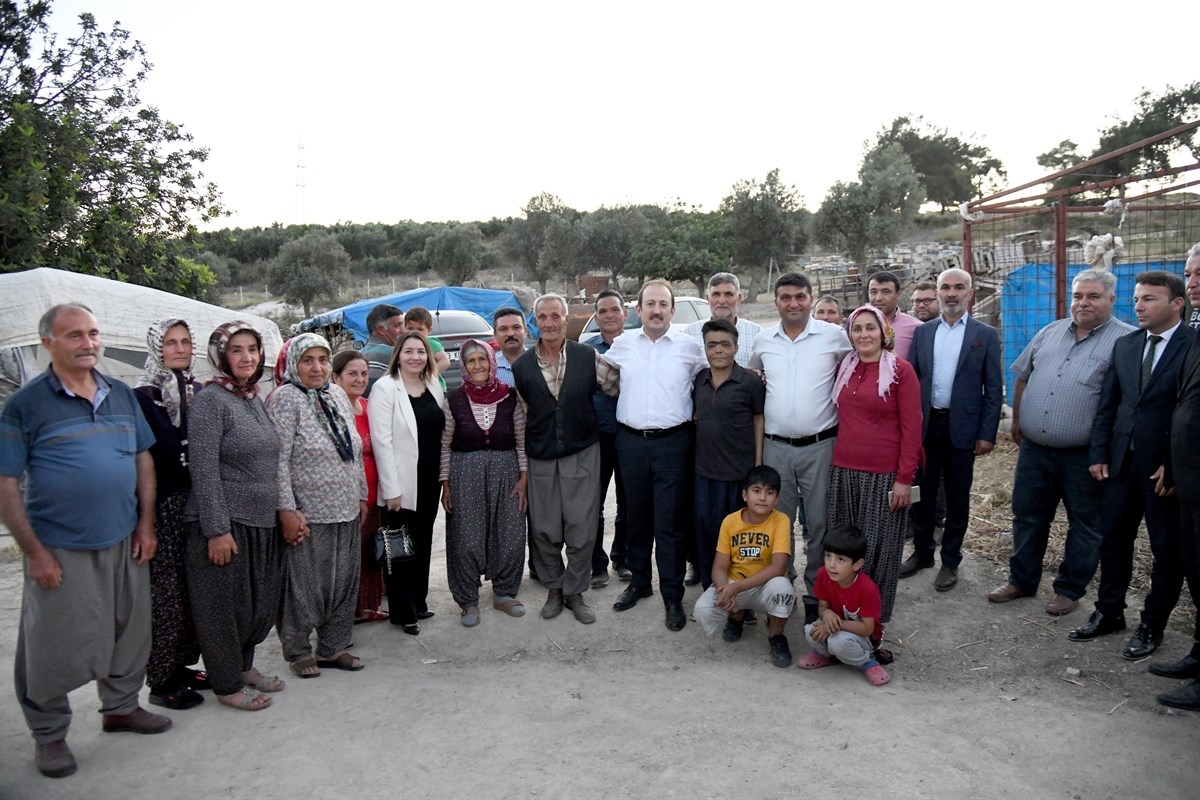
656,378
800,374
947,344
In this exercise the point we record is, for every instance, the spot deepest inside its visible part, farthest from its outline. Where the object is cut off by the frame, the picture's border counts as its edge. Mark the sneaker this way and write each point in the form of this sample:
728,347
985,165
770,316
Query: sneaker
600,580
692,576
733,629
624,573
750,618
781,654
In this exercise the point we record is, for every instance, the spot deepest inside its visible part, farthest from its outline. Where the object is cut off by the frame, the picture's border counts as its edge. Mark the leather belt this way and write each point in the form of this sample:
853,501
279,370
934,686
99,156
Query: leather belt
941,413
654,433
805,441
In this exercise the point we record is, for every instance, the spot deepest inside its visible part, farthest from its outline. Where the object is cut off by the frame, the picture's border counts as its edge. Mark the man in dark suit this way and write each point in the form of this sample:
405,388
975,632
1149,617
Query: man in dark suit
1184,476
1129,450
957,360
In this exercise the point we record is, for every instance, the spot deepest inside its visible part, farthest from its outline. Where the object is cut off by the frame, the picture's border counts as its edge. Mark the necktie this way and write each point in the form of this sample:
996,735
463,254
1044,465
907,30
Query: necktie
1148,361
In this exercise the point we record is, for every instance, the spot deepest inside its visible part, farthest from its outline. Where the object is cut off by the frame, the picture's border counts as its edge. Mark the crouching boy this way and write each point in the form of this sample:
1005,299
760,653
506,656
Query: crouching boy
749,567
848,609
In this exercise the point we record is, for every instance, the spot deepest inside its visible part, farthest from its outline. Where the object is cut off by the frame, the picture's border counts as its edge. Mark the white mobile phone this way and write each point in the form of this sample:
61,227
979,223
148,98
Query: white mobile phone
914,497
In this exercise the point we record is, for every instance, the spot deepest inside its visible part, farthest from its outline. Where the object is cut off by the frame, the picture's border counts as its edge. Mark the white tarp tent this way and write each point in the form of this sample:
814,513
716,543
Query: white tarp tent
124,312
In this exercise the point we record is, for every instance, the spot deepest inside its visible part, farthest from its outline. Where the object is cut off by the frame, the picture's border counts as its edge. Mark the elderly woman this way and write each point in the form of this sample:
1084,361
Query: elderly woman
484,474
350,371
878,447
165,393
406,429
233,558
322,497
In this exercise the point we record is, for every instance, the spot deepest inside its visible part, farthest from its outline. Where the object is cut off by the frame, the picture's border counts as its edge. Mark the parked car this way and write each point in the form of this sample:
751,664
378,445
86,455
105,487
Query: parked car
452,327
687,311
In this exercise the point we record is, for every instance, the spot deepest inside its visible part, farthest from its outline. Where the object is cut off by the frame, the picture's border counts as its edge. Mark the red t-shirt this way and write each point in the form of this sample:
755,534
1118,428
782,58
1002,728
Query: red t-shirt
880,434
858,601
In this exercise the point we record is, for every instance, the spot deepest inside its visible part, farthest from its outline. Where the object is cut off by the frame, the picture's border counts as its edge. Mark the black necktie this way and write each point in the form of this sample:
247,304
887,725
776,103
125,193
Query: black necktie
1148,361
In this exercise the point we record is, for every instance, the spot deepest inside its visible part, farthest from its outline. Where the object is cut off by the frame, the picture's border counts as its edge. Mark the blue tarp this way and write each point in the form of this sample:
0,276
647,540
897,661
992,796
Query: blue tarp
482,301
1027,303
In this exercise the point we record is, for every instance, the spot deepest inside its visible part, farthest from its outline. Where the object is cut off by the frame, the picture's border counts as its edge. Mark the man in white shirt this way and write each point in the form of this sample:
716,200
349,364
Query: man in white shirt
799,358
724,298
654,446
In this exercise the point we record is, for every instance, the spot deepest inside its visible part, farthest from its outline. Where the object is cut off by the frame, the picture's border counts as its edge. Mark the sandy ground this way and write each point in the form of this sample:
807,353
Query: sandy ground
980,705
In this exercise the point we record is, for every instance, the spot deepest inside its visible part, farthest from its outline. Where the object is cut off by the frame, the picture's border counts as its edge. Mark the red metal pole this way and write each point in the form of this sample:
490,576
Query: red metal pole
1060,260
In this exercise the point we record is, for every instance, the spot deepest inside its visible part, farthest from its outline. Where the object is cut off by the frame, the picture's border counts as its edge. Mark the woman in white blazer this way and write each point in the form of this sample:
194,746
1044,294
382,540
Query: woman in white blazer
406,418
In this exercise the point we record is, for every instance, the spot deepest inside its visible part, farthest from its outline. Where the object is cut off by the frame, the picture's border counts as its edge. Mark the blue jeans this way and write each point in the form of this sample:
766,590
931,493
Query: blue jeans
1044,477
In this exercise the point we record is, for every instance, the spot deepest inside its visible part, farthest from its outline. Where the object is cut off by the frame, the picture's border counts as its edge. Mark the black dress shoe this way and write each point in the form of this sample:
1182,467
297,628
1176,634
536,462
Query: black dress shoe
914,564
1186,697
676,619
629,598
427,614
1098,624
1183,669
1143,643
947,578
692,576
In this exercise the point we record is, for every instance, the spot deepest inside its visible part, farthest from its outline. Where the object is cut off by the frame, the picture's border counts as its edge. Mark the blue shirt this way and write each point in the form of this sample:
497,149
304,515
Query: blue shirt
79,458
606,406
947,345
504,371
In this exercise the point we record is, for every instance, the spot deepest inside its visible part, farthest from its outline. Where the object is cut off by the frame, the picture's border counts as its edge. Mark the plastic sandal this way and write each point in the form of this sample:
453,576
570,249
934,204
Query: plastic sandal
470,616
876,675
263,683
248,702
814,661
509,605
343,661
303,667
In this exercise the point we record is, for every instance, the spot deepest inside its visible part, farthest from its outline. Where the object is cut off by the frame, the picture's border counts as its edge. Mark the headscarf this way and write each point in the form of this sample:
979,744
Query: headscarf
281,363
320,399
493,390
217,359
175,386
887,359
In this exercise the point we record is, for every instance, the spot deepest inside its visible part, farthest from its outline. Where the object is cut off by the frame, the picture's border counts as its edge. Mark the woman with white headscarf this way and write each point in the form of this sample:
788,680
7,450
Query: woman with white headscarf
322,497
877,449
165,393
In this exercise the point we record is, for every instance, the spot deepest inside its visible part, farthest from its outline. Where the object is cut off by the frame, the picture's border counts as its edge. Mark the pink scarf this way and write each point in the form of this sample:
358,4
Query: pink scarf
887,359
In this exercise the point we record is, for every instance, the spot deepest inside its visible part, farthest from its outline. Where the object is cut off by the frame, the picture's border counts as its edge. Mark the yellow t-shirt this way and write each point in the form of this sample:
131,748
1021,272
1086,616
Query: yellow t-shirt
750,547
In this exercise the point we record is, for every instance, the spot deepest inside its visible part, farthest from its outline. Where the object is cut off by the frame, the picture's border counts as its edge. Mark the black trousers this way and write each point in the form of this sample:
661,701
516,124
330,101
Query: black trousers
1129,497
956,467
657,475
1189,546
408,585
609,466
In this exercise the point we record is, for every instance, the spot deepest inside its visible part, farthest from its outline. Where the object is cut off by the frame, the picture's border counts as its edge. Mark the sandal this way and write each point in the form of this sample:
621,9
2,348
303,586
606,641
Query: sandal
306,667
814,660
876,675
248,701
470,616
262,683
509,605
343,661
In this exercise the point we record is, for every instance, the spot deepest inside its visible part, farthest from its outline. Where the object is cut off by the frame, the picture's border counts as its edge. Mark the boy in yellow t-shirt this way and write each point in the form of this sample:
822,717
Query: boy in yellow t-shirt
749,571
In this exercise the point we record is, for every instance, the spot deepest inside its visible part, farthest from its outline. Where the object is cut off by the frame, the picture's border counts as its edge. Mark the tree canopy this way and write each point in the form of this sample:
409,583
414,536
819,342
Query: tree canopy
762,217
91,180
952,170
455,253
315,265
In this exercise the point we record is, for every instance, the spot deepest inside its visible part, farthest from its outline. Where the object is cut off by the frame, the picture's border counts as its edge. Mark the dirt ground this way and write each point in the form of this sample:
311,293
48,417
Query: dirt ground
985,701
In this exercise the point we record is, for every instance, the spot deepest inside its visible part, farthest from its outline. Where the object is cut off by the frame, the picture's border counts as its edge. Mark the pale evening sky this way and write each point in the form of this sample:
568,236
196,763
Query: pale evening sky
441,110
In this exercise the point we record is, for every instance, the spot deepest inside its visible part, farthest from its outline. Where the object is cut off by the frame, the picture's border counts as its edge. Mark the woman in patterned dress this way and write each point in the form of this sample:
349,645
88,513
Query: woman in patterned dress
406,429
165,393
350,369
877,449
322,499
483,475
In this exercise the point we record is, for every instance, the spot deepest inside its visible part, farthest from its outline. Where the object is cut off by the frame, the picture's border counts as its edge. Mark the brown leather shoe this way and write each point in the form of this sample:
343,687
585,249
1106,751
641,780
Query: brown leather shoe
1060,605
138,721
54,759
1005,593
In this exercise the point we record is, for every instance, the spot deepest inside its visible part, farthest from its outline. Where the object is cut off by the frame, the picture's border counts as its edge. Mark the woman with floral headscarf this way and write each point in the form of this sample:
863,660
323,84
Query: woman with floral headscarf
165,393
234,552
484,474
322,497
877,449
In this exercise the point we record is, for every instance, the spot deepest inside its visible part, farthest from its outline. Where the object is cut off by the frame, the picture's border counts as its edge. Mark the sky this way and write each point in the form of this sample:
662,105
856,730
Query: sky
465,110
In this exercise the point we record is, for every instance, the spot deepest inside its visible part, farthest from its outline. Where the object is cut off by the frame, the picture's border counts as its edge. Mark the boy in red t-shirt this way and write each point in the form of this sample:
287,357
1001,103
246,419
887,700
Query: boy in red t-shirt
848,611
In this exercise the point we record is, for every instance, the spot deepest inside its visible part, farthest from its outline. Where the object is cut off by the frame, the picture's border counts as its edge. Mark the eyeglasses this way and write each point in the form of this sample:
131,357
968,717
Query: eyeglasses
923,301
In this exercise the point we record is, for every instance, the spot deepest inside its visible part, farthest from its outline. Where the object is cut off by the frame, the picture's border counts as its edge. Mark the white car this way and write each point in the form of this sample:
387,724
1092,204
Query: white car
687,311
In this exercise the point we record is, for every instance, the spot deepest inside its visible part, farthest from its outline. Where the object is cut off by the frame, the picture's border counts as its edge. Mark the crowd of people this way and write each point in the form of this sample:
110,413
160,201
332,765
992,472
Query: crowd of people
171,523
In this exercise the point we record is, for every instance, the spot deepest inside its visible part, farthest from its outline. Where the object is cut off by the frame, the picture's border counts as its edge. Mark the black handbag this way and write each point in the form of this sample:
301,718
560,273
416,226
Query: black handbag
393,544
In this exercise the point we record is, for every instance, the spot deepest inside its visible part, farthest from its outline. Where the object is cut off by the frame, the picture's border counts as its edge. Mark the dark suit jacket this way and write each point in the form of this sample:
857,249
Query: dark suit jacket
1129,414
978,390
1185,426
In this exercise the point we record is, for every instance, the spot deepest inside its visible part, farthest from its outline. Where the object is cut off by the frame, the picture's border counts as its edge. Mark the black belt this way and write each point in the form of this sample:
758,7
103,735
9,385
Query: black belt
805,441
654,433
940,413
